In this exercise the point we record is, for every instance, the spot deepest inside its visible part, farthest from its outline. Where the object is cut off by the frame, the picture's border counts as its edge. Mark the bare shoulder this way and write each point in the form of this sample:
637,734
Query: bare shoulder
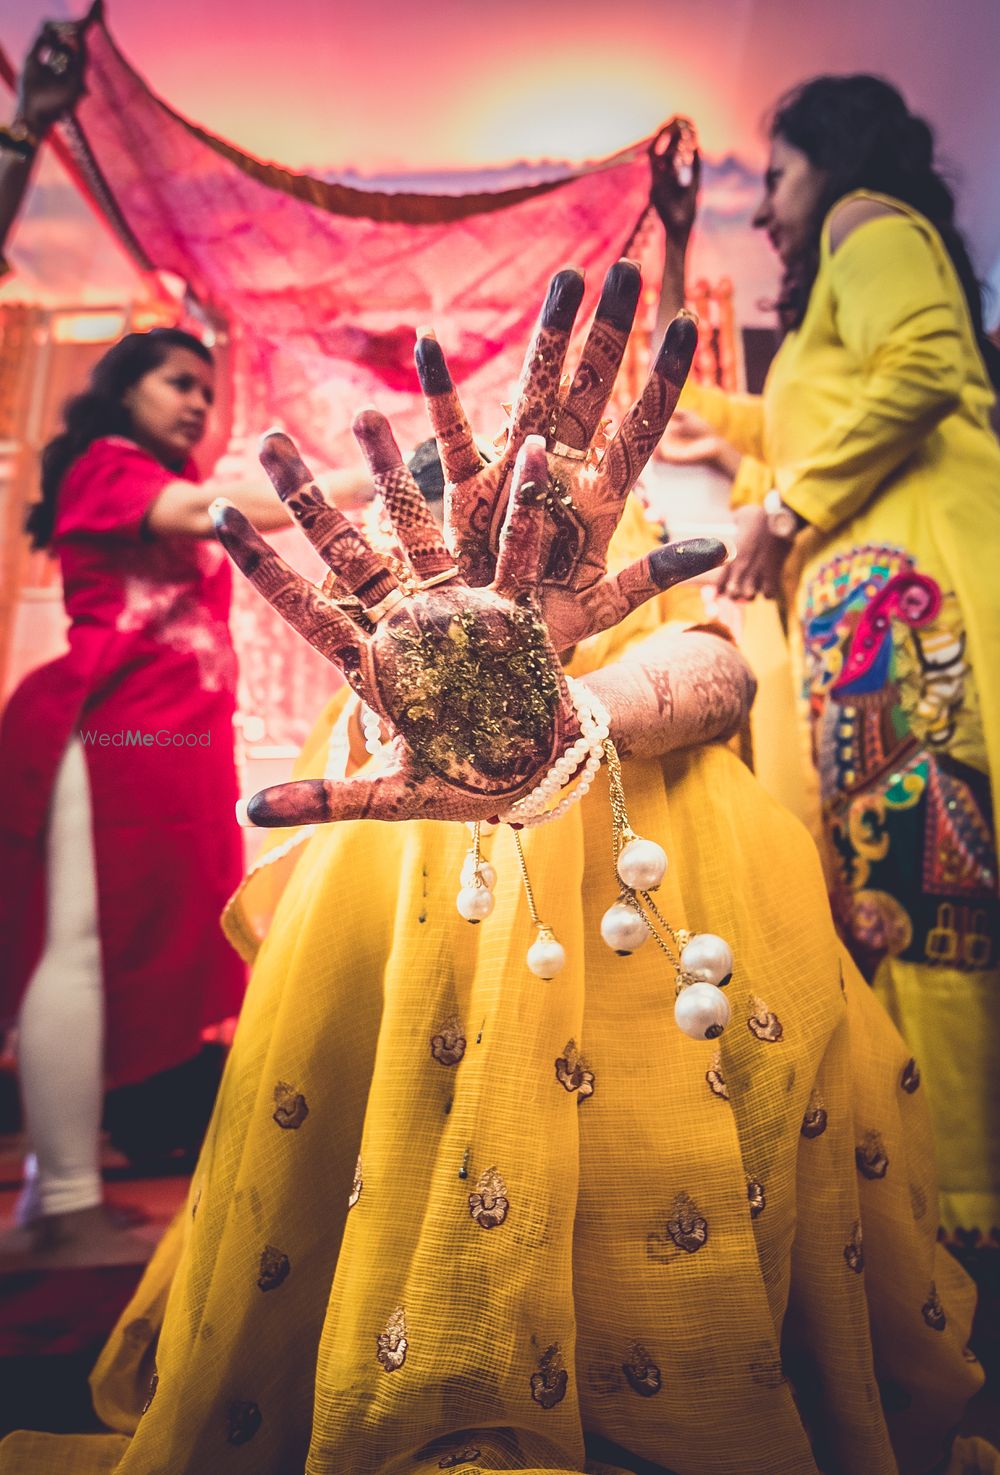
846,217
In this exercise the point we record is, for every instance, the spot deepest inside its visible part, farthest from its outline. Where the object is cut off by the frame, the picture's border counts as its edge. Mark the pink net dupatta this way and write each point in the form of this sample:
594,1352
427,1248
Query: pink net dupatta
328,282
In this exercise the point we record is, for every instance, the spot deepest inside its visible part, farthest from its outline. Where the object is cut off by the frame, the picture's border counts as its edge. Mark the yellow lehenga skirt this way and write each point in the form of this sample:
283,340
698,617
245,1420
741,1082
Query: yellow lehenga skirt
449,1216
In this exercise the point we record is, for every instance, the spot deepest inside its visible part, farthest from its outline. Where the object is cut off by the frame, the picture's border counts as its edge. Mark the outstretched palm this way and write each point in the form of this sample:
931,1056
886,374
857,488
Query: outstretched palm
457,649
587,490
466,678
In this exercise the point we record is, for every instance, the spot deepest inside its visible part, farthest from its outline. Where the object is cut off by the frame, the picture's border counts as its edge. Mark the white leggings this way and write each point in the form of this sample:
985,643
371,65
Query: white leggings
61,1025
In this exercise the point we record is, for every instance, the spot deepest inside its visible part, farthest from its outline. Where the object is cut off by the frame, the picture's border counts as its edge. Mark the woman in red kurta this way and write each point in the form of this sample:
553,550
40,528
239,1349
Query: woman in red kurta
118,842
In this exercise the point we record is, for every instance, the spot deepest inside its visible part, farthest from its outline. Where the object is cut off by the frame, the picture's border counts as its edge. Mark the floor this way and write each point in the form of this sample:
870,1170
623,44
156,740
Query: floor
53,1323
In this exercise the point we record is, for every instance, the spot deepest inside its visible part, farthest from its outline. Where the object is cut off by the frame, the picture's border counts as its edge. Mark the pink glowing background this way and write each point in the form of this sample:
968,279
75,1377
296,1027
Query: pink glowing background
395,86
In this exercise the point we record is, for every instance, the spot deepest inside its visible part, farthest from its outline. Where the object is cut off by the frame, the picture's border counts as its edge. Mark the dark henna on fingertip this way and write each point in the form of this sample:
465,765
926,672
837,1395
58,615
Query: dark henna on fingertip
562,302
675,562
677,350
620,296
373,434
432,370
280,458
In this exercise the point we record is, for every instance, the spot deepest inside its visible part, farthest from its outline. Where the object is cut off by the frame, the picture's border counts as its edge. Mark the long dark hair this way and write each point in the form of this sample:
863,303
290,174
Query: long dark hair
99,411
861,133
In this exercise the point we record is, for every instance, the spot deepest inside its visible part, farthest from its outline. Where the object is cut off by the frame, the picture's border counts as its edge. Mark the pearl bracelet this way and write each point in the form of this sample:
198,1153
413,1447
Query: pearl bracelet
371,726
587,750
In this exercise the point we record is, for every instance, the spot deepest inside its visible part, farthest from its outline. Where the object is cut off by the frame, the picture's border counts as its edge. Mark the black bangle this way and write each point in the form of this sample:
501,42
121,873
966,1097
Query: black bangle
18,139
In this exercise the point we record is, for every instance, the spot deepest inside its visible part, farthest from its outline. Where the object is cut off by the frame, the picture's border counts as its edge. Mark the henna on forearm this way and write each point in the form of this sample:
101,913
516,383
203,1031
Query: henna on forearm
678,689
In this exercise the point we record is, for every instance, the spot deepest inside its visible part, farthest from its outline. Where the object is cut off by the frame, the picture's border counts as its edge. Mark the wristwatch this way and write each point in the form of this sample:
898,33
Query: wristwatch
782,521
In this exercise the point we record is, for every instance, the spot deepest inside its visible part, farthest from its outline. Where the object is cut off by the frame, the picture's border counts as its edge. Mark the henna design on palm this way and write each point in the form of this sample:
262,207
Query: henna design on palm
587,491
466,678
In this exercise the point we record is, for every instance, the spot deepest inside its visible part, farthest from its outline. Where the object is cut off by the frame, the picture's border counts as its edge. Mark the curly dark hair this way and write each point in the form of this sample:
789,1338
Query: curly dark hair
99,411
859,131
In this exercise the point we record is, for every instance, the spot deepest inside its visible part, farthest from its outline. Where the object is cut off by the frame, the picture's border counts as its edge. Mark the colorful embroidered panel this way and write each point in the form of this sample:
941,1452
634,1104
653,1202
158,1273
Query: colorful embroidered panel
893,705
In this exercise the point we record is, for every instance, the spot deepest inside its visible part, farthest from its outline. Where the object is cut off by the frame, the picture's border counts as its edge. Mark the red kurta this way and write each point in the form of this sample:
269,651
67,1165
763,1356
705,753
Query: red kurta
149,685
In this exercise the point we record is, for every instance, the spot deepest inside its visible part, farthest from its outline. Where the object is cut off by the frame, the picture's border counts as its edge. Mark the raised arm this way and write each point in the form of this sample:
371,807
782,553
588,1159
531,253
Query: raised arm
49,87
675,177
677,689
182,508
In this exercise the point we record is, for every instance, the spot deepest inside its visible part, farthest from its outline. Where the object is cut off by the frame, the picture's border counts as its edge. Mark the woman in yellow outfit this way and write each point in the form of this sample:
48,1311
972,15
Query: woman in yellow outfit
874,428
454,1215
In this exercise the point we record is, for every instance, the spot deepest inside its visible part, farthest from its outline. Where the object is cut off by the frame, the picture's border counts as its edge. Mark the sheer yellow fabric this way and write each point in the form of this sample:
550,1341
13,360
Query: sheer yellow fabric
449,1216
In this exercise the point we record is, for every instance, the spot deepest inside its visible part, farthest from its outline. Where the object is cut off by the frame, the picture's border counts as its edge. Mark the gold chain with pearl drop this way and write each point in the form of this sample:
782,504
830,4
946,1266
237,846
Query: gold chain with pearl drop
621,834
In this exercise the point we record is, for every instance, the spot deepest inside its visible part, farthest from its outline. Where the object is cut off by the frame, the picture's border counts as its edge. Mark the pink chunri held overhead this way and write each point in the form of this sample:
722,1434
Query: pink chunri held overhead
328,282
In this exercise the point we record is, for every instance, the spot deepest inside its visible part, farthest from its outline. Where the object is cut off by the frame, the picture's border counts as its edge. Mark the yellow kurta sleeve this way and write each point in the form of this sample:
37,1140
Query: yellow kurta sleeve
897,315
751,484
738,418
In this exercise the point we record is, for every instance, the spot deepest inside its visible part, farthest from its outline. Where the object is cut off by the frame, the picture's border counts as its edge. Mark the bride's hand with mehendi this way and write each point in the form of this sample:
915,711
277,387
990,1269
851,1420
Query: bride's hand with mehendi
460,660
588,489
466,679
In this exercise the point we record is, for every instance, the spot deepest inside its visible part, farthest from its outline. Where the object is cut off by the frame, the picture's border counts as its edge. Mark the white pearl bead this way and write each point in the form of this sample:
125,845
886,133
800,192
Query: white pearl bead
474,903
623,929
702,1011
487,873
642,864
708,958
546,957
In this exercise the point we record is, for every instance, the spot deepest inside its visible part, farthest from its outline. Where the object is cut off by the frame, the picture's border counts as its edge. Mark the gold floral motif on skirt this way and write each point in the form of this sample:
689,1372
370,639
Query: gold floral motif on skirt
489,1204
870,1156
933,1312
641,1372
687,1227
274,1268
460,1457
573,1073
715,1078
393,1343
290,1109
356,1186
909,1078
763,1024
756,1197
549,1384
448,1043
154,1383
854,1253
815,1118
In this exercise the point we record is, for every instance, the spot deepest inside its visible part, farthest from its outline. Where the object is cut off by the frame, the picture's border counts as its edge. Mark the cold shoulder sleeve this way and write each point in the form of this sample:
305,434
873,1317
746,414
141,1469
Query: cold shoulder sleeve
110,489
898,314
